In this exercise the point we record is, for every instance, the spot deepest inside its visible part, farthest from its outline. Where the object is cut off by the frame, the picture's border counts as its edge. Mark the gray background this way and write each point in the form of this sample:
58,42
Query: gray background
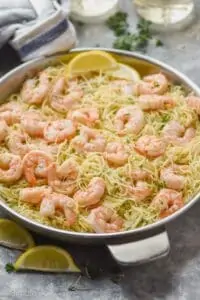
174,277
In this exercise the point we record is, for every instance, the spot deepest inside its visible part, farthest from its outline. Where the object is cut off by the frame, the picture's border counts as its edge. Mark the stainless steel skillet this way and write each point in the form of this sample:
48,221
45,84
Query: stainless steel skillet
131,247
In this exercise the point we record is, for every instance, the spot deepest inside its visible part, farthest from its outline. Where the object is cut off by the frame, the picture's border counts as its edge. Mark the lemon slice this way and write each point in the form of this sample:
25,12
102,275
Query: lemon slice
46,259
125,72
14,236
91,61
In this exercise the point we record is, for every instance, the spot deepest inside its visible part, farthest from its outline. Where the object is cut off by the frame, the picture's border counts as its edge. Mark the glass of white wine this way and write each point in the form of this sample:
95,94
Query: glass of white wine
166,14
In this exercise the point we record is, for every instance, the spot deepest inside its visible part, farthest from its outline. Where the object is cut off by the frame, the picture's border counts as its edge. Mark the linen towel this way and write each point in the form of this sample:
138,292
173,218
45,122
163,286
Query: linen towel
36,28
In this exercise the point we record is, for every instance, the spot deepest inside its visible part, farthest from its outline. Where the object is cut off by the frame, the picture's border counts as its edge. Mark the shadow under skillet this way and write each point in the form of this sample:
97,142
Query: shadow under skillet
94,261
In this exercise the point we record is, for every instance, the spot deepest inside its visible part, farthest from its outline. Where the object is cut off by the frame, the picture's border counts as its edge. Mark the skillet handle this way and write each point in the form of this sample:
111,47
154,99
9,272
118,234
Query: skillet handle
141,251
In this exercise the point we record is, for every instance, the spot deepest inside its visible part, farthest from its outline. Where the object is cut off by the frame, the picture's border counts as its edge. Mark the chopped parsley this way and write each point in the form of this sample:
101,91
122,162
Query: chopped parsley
9,268
126,40
159,43
118,23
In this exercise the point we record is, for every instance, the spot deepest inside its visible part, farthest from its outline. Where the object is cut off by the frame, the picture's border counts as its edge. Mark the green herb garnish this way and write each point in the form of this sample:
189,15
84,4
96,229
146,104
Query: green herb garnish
118,23
159,43
131,41
9,267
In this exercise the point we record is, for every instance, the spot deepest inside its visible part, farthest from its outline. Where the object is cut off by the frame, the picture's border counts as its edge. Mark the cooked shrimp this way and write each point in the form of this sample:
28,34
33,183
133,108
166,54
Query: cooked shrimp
11,112
86,116
115,153
155,102
170,175
175,133
89,140
139,174
194,103
32,124
34,195
35,164
150,146
140,191
42,145
62,178
105,220
55,201
3,130
129,119
123,86
58,131
35,90
152,84
17,143
167,201
92,195
10,167
65,94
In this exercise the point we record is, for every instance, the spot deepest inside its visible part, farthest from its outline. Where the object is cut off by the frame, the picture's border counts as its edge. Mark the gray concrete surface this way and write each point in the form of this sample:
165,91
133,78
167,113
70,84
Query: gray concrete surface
175,277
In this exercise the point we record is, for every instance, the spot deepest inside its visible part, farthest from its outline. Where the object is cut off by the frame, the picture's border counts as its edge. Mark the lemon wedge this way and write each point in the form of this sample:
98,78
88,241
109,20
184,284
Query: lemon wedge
124,72
46,259
14,236
93,60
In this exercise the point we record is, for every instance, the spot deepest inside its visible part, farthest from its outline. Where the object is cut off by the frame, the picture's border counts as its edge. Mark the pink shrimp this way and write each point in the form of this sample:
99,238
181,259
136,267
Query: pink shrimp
175,133
139,174
34,195
141,190
92,195
167,201
152,84
35,164
11,112
89,140
17,143
115,153
105,220
86,116
194,103
58,131
150,146
42,145
155,102
62,178
123,86
35,90
65,94
32,124
10,167
129,119
173,180
54,201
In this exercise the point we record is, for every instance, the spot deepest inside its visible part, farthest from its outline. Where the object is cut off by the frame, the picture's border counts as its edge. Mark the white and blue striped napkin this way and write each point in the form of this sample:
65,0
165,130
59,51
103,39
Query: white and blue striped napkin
36,28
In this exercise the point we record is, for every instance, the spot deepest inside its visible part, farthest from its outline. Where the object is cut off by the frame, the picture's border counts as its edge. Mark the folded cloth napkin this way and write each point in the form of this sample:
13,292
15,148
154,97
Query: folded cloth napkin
36,28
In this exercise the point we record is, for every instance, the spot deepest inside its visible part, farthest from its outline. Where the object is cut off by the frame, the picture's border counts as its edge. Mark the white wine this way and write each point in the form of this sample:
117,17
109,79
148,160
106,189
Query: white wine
166,14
